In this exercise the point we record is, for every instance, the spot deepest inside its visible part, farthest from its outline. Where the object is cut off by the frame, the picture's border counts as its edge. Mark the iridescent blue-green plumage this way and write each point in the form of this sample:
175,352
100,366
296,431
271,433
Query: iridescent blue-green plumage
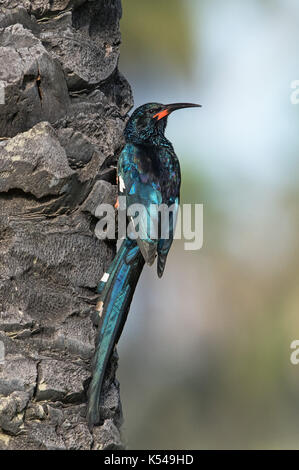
148,174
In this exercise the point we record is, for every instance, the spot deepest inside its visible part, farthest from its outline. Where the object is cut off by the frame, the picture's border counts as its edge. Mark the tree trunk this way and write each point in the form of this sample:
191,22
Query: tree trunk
61,126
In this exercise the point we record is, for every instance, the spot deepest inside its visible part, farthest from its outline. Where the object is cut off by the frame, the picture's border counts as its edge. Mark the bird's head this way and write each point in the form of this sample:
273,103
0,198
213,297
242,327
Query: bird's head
149,121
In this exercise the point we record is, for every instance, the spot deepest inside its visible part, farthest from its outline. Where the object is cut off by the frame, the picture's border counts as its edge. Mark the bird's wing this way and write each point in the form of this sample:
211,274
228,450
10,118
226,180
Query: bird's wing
143,196
166,239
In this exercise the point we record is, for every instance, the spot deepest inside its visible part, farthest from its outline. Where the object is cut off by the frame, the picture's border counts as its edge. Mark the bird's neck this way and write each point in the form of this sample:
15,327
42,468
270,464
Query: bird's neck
157,139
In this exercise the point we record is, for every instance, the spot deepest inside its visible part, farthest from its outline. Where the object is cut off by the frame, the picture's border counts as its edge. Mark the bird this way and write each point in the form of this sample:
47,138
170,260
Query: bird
148,173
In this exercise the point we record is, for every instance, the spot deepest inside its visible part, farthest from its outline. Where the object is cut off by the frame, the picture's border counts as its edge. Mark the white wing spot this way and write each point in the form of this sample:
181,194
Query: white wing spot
121,184
105,277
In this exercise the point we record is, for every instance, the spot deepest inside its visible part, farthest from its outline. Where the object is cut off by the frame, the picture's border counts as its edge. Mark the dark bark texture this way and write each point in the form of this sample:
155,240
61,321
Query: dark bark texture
61,128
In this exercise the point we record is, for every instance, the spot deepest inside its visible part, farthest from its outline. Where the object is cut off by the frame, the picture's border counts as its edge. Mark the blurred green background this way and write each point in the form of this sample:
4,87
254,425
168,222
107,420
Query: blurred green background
205,354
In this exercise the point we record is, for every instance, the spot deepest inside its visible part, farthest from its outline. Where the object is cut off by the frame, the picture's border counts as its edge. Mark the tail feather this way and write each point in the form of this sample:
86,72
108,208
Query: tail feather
116,297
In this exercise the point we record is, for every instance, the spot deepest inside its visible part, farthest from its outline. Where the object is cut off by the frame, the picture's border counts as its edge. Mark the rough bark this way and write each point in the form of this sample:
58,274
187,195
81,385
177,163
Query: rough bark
60,132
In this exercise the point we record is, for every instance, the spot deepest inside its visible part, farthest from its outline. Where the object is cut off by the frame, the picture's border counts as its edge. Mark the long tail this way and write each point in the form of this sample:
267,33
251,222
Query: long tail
116,287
